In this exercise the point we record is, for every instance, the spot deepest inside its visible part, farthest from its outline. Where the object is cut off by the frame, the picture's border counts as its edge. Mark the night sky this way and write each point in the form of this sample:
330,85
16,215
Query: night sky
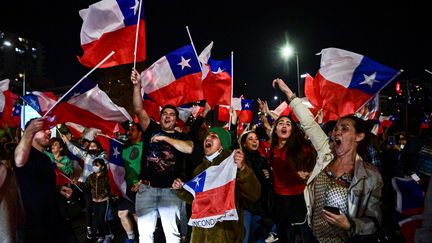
393,35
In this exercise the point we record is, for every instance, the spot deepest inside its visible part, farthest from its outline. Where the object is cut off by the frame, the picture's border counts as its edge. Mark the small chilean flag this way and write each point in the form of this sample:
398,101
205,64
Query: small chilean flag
213,190
110,25
174,79
116,171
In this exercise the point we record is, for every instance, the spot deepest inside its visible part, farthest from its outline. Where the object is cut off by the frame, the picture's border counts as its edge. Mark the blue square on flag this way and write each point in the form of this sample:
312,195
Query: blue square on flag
218,66
370,76
197,184
33,101
115,152
129,10
183,61
246,104
81,88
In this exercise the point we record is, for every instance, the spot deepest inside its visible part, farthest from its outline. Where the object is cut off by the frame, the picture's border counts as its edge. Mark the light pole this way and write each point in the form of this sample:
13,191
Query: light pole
287,51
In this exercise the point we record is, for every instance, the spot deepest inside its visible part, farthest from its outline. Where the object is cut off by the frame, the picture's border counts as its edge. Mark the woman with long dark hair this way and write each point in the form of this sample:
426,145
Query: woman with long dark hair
292,159
343,193
255,213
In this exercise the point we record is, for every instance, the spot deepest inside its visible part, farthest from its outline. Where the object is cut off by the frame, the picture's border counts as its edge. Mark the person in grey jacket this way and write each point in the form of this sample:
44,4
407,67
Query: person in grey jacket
340,179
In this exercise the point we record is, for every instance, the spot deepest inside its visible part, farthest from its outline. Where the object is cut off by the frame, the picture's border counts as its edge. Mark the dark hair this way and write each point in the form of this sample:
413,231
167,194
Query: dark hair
62,145
99,146
261,133
100,162
296,145
171,107
244,136
328,126
138,126
28,122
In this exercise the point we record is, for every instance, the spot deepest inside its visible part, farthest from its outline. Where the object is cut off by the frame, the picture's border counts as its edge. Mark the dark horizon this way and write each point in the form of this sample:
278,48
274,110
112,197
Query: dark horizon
255,33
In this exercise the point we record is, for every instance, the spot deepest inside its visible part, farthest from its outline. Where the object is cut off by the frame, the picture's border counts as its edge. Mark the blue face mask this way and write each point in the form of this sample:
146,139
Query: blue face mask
96,169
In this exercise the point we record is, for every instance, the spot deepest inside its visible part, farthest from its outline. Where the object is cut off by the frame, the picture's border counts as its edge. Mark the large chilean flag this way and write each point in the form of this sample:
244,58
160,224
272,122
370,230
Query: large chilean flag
110,25
213,190
346,81
174,79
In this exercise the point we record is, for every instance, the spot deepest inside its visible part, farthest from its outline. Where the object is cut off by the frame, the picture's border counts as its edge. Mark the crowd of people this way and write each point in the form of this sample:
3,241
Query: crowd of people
296,181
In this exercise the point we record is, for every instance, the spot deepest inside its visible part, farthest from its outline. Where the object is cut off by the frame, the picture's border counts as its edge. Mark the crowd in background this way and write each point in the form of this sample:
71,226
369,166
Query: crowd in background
297,181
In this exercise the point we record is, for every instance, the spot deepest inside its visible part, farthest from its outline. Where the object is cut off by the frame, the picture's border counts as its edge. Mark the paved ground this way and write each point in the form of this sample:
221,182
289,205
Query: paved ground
77,216
79,226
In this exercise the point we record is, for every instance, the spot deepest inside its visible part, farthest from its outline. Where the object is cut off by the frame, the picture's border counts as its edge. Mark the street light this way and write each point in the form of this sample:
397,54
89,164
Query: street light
287,51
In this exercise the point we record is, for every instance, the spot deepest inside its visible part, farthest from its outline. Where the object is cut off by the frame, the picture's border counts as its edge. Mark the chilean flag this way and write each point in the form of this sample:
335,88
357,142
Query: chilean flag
346,81
217,81
40,101
116,172
243,108
213,190
387,121
84,104
174,79
383,122
7,101
425,122
110,25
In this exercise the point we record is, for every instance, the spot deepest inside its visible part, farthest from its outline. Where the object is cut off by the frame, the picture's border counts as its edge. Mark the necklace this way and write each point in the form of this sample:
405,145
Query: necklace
343,180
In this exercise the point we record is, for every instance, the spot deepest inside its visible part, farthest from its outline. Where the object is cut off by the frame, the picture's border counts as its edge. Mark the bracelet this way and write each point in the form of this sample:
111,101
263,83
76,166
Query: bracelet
293,96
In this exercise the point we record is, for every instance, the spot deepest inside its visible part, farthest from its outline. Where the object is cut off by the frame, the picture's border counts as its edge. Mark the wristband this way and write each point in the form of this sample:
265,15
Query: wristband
293,96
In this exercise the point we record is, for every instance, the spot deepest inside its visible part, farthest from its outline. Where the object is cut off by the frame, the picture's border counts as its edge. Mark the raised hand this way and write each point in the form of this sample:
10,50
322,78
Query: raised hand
135,77
282,86
239,159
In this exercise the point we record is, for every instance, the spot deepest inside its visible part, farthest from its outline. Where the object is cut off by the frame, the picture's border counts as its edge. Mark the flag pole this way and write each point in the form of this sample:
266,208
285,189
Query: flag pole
193,46
397,74
136,33
232,86
103,135
85,76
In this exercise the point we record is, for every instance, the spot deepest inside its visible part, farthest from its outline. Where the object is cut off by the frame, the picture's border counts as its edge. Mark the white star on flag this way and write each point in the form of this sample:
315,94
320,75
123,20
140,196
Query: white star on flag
197,180
218,71
16,110
247,105
370,80
116,152
184,62
135,7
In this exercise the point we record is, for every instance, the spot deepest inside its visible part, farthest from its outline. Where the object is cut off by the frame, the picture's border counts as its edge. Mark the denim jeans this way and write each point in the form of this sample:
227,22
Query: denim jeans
151,202
253,223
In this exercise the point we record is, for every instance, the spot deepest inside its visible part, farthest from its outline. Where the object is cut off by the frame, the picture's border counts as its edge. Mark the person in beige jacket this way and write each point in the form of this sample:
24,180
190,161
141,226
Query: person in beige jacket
340,178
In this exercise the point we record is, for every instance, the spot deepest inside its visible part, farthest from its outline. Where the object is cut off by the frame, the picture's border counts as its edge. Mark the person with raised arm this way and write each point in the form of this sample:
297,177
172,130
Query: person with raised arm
343,193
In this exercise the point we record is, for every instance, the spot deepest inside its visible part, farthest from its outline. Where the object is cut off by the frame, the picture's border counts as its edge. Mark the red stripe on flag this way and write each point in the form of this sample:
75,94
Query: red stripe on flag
214,201
121,41
181,91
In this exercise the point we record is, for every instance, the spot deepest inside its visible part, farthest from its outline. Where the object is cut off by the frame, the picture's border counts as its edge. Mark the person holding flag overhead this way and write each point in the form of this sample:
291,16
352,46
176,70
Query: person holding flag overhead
222,183
37,183
162,161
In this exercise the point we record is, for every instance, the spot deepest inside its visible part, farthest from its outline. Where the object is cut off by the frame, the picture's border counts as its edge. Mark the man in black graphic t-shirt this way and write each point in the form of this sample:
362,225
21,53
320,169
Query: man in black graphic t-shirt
161,163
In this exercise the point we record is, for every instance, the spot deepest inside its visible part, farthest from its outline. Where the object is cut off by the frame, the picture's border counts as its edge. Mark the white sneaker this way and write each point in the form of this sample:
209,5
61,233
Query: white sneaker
272,237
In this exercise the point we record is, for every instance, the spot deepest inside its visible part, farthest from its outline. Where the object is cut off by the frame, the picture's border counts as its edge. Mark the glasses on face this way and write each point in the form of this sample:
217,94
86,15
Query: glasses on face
344,180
